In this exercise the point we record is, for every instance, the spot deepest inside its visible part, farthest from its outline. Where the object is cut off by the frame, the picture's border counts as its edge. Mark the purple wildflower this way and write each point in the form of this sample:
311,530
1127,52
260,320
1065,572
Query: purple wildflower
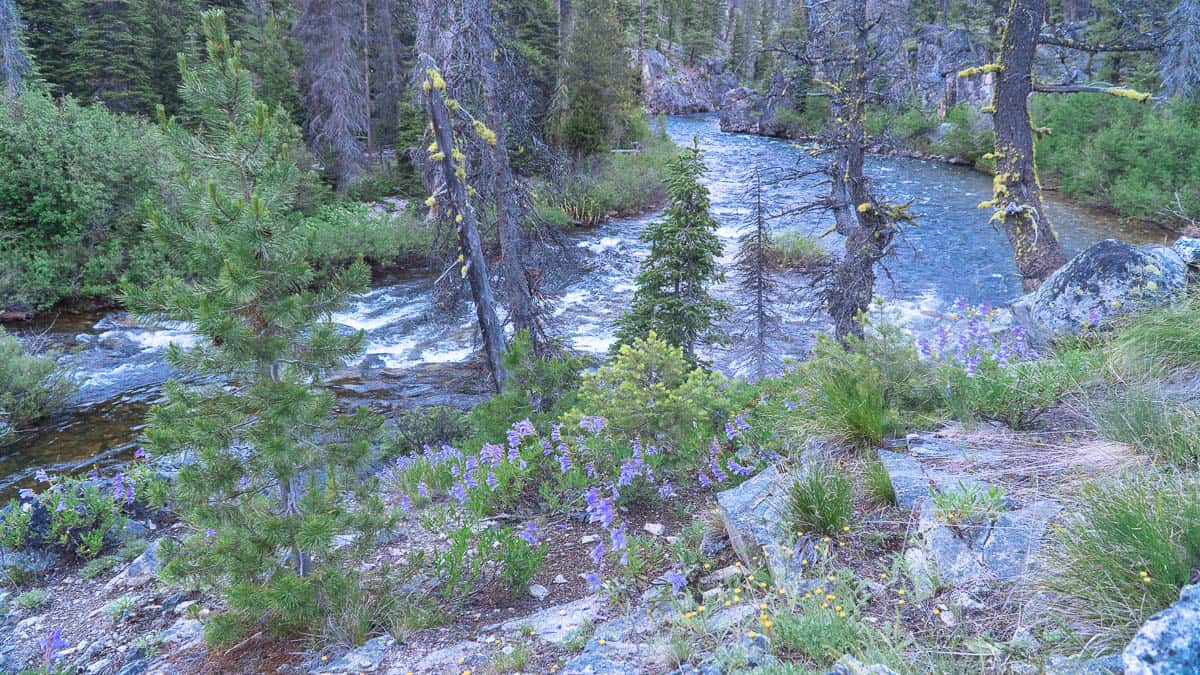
730,434
564,463
423,490
243,482
677,580
591,470
716,471
665,490
618,538
41,476
51,646
597,553
530,533
703,479
492,482
406,503
459,492
210,533
593,580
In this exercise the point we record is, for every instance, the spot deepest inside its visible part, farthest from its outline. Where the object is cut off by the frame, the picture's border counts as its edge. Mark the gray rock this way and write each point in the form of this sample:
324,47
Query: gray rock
1016,539
907,476
713,542
454,658
1169,643
656,529
1109,279
184,633
539,591
555,624
1103,665
142,570
610,658
848,665
745,111
748,512
672,85
1188,248
364,659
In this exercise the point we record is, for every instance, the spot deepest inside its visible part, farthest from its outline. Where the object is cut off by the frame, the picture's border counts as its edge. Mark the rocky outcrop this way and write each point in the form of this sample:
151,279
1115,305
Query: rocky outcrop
745,111
941,53
1188,249
1169,643
1109,279
671,85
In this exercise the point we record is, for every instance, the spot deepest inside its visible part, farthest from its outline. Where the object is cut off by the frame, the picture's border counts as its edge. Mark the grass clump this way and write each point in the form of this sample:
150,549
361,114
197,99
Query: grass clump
607,184
95,568
1132,544
796,250
1167,430
1158,341
821,500
824,624
877,483
32,598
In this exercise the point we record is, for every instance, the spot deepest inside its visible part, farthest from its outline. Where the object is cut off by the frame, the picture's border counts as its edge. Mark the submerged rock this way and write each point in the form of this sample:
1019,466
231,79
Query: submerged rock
1109,279
1169,643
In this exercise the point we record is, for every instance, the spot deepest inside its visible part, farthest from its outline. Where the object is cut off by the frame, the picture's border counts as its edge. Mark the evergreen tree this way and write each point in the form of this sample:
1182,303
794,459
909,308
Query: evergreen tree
270,468
757,321
14,65
109,56
52,27
672,297
598,80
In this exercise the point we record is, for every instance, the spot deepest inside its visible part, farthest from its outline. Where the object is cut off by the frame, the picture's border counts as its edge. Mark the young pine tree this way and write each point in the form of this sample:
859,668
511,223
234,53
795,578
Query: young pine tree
270,470
672,297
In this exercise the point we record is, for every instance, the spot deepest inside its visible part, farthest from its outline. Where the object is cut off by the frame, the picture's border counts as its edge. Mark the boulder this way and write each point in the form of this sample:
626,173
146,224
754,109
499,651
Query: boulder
364,659
1188,249
745,111
142,570
1109,279
1169,643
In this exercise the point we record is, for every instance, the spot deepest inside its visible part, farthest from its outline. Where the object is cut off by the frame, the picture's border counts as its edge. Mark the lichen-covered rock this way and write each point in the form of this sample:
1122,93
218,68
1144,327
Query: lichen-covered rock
364,659
1169,643
1109,279
748,512
1188,249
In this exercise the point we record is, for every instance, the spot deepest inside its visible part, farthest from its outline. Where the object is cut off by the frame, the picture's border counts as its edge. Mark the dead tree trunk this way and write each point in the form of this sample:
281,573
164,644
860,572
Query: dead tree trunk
517,295
474,266
1017,198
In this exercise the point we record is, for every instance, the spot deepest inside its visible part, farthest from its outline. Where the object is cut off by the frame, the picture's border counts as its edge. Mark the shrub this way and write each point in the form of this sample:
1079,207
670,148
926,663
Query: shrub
1124,553
820,500
649,390
535,388
966,137
95,568
1167,430
80,514
73,180
845,393
1016,393
342,233
968,504
796,250
1115,151
32,387
432,426
32,598
596,187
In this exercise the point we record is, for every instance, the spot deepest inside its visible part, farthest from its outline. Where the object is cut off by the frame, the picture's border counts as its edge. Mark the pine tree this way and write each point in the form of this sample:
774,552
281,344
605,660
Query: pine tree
14,65
270,468
757,320
51,28
109,56
672,297
597,78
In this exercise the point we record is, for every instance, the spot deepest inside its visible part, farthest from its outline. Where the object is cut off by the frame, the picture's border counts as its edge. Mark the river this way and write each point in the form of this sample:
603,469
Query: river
415,352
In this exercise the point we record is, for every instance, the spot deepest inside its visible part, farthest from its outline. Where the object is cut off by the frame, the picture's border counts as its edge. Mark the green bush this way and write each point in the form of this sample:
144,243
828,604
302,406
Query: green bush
649,390
1016,393
1115,151
967,137
536,388
598,186
343,232
845,394
32,387
824,630
796,250
73,181
809,122
82,514
1127,548
432,426
1167,430
821,500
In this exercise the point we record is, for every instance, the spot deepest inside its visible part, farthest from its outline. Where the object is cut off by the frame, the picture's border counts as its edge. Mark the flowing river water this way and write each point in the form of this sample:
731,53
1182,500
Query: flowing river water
416,354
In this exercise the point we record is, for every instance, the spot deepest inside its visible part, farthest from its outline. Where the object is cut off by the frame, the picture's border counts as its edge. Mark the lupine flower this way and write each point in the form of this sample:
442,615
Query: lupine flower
716,471
529,533
243,482
730,434
600,509
564,463
51,646
406,503
41,476
140,453
459,492
618,538
593,581
209,533
740,421
470,481
423,490
738,468
492,482
556,433
546,449
25,493
597,553
677,580
703,479
665,490
591,470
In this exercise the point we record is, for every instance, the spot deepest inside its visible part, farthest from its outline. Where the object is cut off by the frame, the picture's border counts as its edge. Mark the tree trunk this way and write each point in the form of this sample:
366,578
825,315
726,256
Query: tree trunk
1017,198
517,295
867,230
475,267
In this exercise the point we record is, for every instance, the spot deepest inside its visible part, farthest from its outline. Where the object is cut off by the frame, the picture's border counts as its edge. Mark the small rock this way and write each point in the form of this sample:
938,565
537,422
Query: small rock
1188,248
560,579
99,666
589,539
364,659
656,529
848,665
539,591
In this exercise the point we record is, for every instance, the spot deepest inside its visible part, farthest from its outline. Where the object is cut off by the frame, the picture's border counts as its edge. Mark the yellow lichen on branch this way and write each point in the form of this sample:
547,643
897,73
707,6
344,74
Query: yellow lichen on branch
1125,92
980,70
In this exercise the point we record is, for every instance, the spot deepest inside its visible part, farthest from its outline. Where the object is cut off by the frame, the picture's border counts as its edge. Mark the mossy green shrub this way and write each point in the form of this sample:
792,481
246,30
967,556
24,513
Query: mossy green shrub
1123,553
343,232
650,391
966,137
1119,152
73,181
605,184
797,250
32,386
